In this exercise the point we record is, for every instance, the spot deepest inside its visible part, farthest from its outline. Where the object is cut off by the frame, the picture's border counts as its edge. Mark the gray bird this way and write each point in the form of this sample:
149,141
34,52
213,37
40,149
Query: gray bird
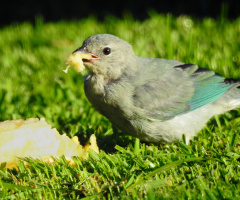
156,100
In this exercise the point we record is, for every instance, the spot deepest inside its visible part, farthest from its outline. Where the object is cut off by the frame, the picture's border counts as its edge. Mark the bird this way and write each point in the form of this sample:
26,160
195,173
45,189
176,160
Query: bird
154,99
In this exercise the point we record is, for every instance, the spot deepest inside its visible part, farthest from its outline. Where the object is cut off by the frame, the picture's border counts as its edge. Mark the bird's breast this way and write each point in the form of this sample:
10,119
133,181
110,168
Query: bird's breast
96,90
94,85
112,99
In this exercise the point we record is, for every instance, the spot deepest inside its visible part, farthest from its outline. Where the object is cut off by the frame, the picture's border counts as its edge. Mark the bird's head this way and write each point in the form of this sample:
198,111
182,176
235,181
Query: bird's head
110,55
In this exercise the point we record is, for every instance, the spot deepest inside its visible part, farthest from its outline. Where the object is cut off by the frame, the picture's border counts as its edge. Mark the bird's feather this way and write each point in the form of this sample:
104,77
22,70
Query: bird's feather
177,89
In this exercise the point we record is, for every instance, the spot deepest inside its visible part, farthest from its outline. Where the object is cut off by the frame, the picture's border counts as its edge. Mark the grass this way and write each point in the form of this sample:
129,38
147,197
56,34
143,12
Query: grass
32,84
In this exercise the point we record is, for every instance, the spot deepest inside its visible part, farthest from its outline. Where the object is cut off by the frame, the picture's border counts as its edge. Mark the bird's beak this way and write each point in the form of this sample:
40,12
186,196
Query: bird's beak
85,55
78,58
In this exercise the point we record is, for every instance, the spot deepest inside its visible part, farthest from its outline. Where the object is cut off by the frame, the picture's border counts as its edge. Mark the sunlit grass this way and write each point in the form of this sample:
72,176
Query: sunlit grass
32,84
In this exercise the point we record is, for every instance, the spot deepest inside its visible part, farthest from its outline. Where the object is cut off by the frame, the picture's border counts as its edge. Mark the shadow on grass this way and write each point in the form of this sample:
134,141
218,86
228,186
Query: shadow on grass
107,143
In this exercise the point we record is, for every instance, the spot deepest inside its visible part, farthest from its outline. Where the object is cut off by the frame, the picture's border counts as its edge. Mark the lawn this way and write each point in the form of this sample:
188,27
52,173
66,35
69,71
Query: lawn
32,84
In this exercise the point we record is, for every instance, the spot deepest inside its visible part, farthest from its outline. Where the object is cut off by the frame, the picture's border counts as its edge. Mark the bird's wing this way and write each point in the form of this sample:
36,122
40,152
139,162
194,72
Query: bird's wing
167,88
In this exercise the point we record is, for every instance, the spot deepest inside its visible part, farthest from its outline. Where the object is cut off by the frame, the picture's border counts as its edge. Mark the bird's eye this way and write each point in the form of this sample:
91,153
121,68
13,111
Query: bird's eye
106,51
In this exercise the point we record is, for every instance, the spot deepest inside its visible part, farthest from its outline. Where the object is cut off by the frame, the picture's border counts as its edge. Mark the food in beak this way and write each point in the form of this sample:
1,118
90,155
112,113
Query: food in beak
76,59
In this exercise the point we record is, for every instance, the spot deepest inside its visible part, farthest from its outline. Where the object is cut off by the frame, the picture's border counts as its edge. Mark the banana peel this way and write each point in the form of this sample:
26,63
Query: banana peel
36,139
